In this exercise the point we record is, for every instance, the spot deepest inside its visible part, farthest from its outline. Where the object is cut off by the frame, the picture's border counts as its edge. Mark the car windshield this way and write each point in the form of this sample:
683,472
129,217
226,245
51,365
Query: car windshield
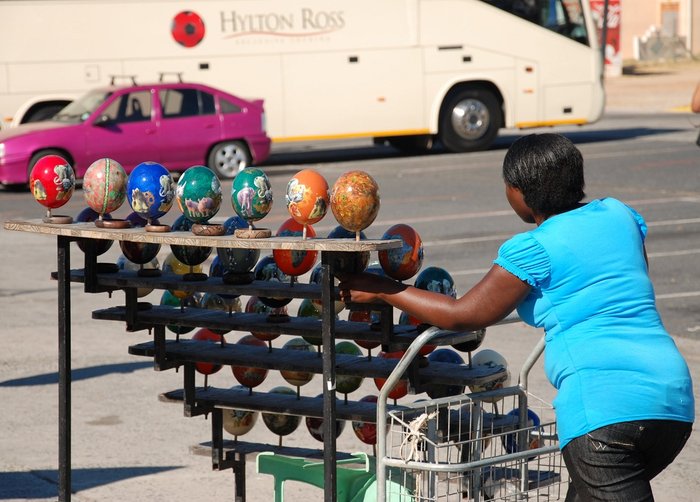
80,109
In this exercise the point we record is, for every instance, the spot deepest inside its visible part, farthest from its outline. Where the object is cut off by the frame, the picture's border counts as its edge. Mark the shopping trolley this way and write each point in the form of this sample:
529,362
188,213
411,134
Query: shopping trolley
469,446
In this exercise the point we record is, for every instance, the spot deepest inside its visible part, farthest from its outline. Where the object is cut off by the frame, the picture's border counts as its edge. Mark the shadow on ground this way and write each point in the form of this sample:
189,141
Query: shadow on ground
43,484
77,374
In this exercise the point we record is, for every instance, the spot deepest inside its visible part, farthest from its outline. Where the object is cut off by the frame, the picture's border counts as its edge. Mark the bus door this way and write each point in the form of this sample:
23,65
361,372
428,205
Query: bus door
527,90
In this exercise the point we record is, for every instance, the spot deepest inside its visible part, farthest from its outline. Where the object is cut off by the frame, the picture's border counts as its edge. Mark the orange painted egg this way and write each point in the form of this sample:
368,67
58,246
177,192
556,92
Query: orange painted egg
307,197
400,389
366,431
248,376
355,200
255,306
404,262
207,335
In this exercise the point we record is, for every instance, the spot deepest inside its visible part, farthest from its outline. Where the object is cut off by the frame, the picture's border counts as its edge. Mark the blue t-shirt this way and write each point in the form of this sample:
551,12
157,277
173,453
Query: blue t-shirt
607,352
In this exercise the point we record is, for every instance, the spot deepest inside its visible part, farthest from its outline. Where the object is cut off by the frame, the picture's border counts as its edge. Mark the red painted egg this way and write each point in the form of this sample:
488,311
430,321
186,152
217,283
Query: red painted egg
315,426
290,262
355,200
363,316
307,197
255,306
248,376
401,388
52,181
365,431
208,336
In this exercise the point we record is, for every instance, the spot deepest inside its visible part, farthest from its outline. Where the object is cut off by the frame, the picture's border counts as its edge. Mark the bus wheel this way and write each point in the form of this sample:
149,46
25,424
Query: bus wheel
228,158
469,120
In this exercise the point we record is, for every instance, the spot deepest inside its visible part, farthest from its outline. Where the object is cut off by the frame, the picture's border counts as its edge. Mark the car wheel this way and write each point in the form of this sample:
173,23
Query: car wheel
469,120
42,153
227,159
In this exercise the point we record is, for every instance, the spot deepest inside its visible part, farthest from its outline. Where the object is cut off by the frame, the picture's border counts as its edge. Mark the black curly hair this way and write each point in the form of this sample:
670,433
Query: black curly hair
548,170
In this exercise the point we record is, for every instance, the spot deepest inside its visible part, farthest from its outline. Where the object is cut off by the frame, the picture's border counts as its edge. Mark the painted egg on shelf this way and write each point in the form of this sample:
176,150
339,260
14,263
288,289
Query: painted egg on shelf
125,263
366,431
104,186
349,263
150,190
438,280
170,300
280,424
206,335
294,262
52,182
237,260
355,200
307,197
198,194
139,252
297,378
441,390
238,422
471,345
246,375
189,255
404,262
89,215
400,389
316,278
491,359
267,270
366,317
345,384
255,306
251,194
315,426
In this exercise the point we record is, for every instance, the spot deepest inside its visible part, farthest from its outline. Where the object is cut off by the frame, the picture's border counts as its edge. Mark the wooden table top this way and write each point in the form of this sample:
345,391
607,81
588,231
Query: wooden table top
183,238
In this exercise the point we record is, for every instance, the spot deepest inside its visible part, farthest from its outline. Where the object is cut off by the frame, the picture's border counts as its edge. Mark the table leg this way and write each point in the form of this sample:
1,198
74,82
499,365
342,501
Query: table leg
329,403
64,371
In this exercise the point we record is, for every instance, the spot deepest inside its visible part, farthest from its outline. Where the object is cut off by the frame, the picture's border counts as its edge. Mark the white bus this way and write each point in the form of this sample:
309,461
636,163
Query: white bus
404,71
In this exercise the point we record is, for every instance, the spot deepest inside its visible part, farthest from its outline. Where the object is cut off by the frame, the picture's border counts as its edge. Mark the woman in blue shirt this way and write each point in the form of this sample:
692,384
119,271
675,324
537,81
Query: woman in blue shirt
624,400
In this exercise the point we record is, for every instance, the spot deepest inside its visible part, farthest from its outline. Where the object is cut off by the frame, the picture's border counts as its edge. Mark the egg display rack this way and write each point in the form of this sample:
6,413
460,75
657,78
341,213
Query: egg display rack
176,352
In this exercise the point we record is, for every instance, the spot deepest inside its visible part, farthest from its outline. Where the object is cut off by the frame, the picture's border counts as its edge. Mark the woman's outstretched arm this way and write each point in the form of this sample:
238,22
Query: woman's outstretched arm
490,300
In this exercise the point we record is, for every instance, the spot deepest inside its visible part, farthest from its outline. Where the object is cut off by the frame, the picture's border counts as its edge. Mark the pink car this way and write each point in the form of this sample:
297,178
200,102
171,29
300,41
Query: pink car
177,124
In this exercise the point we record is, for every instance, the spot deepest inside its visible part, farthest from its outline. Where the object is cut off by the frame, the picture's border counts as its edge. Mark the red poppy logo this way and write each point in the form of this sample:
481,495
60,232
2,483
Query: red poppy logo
187,28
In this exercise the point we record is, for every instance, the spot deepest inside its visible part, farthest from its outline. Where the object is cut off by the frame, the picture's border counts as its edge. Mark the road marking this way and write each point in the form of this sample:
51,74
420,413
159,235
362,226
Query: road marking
672,296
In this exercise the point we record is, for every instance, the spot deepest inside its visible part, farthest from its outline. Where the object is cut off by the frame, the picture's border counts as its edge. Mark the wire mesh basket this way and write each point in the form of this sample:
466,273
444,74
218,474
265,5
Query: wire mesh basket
498,445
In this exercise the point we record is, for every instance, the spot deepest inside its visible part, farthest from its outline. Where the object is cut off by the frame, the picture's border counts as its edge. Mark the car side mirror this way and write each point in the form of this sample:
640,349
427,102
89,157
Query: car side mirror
103,120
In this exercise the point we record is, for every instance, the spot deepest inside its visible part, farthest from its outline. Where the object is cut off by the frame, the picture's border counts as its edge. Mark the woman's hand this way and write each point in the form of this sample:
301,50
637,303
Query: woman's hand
367,288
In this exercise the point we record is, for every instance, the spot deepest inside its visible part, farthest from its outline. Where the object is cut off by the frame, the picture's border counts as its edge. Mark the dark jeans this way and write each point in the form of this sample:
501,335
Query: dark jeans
615,463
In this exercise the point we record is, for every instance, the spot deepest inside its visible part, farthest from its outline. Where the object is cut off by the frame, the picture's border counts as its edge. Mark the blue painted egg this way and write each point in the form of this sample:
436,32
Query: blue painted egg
150,190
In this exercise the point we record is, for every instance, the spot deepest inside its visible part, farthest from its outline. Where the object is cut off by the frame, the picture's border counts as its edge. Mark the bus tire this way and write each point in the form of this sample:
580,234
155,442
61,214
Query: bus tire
228,158
469,120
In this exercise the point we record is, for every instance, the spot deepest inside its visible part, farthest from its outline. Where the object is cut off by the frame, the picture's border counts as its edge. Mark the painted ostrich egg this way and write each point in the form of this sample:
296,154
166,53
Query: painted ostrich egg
355,200
315,426
150,190
255,306
198,194
280,424
438,280
251,194
189,255
236,260
366,431
404,262
104,185
297,378
307,197
267,270
52,181
248,376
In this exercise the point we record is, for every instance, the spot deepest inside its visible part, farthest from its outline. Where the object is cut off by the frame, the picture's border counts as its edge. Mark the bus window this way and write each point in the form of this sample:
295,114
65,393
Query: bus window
561,16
